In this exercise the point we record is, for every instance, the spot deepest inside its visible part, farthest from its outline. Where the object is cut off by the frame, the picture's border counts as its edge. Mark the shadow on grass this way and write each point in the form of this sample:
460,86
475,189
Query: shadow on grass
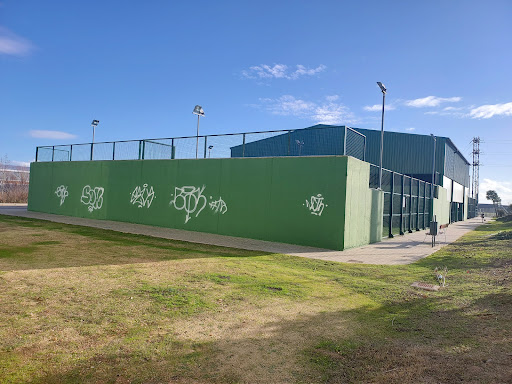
411,342
56,245
401,335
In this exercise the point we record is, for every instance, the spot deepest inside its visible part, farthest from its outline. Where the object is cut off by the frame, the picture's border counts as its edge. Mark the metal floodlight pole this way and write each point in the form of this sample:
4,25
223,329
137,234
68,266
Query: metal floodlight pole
433,168
383,89
198,110
94,124
197,136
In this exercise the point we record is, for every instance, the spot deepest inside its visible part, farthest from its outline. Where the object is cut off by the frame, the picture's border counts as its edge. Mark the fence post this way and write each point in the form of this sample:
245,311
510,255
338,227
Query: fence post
114,150
432,198
71,152
53,152
424,201
205,141
92,149
140,149
410,205
345,142
243,146
391,205
37,153
402,207
418,208
173,151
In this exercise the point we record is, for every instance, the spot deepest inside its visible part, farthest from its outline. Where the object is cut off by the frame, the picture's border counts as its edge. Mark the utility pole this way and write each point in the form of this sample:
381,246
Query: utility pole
476,168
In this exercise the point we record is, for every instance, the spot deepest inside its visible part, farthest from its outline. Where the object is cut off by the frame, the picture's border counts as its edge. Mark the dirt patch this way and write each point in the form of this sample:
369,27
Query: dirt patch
262,344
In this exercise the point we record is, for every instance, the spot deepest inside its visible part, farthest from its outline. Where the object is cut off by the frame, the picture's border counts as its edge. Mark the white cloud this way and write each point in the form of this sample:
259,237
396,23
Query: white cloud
490,110
332,98
502,188
11,44
56,135
431,101
288,105
410,130
302,70
325,112
280,71
378,107
332,113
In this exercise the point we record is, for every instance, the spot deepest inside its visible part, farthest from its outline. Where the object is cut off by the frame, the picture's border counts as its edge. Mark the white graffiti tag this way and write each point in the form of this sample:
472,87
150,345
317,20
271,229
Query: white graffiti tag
62,193
316,204
93,197
142,196
218,206
189,199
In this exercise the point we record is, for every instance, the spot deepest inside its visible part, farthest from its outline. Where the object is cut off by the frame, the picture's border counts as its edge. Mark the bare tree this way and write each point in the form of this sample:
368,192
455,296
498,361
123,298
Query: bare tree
13,182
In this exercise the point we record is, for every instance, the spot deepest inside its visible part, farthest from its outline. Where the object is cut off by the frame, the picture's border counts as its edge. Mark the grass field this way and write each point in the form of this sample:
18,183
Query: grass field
85,305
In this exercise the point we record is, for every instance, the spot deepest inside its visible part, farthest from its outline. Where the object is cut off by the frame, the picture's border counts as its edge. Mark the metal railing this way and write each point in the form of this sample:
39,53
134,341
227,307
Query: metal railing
319,141
407,201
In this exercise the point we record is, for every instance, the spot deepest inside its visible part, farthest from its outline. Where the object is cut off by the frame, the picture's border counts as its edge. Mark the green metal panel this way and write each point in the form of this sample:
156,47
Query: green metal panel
409,154
295,200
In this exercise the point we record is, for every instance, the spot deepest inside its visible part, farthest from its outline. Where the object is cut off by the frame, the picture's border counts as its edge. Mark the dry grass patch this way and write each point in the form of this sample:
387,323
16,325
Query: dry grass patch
84,305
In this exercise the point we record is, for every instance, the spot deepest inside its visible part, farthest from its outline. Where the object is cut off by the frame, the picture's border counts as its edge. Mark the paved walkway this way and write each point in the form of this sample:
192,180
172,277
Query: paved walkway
398,250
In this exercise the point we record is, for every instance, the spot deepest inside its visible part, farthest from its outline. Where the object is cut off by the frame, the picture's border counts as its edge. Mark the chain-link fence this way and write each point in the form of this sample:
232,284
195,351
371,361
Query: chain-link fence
318,141
407,201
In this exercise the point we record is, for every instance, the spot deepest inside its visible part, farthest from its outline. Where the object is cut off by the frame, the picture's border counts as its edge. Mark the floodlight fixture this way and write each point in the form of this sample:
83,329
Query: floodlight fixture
94,124
198,110
382,87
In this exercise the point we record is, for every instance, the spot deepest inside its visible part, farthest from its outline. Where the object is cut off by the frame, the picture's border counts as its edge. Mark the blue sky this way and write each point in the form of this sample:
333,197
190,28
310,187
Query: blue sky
140,67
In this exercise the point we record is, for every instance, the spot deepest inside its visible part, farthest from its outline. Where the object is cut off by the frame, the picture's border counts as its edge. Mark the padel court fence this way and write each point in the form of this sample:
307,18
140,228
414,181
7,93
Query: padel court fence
303,142
407,201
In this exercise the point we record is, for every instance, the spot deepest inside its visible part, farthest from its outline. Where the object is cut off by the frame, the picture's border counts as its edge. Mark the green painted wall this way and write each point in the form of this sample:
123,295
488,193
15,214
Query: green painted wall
298,200
364,207
404,152
442,206
376,220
